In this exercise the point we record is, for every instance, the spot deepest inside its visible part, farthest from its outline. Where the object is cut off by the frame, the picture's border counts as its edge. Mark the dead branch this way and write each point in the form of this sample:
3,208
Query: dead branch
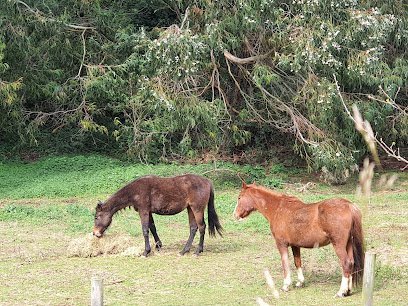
40,14
299,122
83,54
243,61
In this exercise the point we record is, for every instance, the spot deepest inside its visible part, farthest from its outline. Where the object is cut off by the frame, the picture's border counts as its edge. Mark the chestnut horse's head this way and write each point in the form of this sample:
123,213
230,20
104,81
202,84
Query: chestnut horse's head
102,220
245,203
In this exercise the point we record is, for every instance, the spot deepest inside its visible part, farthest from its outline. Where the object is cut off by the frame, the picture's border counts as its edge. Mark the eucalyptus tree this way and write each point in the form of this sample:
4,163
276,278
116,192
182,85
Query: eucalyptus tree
175,79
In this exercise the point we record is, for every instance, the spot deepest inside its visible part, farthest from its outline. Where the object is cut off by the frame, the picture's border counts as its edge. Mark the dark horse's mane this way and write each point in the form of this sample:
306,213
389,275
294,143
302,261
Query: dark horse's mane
120,198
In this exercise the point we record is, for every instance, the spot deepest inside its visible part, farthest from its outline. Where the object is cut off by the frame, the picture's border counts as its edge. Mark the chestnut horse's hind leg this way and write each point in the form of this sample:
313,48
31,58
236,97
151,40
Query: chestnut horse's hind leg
152,228
298,264
347,264
193,230
350,256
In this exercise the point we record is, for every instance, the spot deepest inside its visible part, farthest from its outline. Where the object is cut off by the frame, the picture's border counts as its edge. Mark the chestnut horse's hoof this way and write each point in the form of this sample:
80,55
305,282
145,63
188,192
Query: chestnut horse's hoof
300,285
342,294
285,288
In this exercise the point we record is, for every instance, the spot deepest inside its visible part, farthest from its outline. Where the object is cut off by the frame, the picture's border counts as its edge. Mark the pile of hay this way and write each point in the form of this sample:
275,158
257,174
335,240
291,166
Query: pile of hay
90,246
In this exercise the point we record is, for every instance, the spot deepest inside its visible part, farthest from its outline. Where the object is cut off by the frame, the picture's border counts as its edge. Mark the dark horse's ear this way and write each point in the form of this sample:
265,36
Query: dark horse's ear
99,205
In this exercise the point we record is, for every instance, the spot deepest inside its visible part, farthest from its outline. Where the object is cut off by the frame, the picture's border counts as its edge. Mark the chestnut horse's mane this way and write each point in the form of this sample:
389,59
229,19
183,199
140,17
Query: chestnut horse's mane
275,193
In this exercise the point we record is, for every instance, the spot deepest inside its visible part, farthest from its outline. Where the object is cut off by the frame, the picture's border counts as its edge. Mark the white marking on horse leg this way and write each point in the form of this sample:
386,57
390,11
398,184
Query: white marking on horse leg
287,281
301,278
343,287
350,284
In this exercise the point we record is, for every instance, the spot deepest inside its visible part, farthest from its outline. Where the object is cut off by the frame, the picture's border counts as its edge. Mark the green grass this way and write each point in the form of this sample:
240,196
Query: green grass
95,175
44,205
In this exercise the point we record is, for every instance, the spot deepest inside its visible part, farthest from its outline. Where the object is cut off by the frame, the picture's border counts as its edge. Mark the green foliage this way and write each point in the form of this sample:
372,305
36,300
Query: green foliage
150,79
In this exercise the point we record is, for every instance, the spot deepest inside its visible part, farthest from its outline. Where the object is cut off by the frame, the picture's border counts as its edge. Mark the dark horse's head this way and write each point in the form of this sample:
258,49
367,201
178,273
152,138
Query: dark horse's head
103,219
245,204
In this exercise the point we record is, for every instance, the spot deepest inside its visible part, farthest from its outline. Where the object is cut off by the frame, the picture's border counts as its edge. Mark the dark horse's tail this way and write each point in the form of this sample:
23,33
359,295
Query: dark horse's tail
357,240
213,222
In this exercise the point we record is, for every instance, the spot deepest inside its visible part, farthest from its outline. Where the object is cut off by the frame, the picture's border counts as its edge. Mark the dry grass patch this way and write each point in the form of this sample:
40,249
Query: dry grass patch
90,246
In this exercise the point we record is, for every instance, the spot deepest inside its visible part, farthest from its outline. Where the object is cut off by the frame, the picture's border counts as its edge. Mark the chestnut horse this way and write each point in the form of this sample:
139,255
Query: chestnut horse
163,196
296,224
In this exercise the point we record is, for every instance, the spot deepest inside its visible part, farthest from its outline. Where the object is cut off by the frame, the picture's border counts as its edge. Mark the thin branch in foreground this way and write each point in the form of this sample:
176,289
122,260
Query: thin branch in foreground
365,129
365,179
261,302
271,283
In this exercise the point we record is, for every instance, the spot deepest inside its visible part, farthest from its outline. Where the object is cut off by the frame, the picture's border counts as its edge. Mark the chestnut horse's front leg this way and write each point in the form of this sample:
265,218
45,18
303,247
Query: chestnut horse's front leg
283,250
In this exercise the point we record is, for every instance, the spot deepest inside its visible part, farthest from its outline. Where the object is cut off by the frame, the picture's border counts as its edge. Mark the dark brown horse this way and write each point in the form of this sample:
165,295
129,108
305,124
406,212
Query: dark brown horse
163,196
296,224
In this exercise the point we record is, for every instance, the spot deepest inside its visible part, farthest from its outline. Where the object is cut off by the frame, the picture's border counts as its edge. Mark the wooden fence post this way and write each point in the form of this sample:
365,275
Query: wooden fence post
368,278
96,291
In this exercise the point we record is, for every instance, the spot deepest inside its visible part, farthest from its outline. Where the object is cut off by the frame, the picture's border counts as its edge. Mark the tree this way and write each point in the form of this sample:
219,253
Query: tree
173,79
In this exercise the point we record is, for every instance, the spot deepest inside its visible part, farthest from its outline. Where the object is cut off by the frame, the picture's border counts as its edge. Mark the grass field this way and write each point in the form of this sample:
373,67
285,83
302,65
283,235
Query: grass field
46,204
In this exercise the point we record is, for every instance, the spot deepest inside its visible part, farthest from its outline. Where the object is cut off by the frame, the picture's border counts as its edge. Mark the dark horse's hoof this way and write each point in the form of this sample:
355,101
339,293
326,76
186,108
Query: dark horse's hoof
183,251
158,245
198,251
146,252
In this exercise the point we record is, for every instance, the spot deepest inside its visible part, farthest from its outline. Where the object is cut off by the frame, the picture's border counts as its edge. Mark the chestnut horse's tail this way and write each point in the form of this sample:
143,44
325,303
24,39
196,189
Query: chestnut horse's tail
357,240
213,222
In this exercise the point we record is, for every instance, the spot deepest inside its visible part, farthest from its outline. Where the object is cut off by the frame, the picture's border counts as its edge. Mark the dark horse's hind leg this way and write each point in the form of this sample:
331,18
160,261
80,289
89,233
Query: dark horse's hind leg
193,230
199,216
152,228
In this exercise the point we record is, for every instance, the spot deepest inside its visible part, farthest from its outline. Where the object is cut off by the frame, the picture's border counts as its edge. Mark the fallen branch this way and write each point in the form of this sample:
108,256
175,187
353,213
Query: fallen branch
247,60
41,14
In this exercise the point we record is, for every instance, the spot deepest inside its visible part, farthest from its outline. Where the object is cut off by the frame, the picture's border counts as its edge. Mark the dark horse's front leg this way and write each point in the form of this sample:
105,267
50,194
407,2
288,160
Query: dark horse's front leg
144,218
152,228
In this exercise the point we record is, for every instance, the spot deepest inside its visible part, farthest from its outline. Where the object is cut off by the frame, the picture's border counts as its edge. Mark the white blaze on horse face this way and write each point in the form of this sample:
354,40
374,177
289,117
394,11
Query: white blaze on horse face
301,278
234,214
350,283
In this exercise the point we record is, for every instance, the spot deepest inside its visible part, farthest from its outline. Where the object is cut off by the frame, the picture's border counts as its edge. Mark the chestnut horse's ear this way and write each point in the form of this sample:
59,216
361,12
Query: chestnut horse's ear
244,185
253,183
